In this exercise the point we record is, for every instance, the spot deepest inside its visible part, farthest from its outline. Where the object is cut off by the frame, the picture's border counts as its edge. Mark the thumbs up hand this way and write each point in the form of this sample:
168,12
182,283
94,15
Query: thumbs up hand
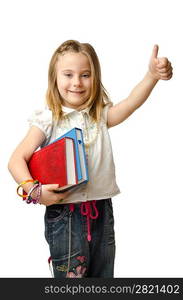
159,68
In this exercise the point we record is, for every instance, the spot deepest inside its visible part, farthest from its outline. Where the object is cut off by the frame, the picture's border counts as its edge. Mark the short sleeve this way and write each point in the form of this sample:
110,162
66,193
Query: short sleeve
105,111
43,120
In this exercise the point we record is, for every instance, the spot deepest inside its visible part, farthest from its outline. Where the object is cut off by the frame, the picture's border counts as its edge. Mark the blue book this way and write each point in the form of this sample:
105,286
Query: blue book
81,163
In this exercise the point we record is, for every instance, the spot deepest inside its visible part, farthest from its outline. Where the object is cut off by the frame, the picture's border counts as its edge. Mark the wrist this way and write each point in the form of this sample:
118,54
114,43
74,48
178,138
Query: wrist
152,77
27,187
31,186
34,193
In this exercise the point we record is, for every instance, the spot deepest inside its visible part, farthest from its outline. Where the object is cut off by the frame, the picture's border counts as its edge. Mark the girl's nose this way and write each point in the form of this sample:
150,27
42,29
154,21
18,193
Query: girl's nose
76,81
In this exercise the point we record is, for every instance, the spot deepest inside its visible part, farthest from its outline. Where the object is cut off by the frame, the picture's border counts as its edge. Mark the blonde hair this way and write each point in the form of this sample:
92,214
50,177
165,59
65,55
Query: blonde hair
98,98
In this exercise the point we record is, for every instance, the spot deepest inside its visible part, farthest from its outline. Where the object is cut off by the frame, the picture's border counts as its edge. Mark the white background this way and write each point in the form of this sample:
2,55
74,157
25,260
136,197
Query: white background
147,147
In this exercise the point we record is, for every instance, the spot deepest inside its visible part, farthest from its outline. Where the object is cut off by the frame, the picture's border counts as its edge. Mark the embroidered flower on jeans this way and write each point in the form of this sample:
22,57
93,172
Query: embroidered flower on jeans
79,270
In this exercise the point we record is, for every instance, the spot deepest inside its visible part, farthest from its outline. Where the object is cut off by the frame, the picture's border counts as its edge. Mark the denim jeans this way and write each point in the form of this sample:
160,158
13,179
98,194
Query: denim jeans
72,254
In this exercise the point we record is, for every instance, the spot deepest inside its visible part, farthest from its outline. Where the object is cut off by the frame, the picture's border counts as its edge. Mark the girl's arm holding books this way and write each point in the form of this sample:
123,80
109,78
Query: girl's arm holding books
18,166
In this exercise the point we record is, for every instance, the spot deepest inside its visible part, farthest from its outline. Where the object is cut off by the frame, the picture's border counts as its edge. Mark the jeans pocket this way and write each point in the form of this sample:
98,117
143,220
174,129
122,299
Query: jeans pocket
55,218
55,213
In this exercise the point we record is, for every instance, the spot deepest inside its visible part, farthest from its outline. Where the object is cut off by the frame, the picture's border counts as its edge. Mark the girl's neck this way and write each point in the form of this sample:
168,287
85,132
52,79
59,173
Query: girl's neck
79,108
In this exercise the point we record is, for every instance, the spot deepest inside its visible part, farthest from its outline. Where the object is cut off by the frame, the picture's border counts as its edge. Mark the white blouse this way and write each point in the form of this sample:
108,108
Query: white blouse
101,168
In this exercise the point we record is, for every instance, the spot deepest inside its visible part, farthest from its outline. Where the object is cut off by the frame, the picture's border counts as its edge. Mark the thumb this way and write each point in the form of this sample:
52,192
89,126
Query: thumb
155,51
51,187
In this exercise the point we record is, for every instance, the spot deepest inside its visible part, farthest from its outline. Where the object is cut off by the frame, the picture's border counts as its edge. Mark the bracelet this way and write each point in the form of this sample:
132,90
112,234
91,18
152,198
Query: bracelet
38,194
24,182
38,188
29,198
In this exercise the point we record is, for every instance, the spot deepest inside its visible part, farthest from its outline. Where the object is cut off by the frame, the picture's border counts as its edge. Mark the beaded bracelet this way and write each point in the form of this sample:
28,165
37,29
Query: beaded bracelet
38,188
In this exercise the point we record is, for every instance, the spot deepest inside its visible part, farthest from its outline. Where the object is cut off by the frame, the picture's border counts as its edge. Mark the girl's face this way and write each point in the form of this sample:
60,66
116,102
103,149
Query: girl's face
74,79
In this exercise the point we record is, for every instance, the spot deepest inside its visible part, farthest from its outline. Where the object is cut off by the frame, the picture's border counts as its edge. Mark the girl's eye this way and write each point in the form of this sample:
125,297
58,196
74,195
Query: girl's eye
86,75
68,75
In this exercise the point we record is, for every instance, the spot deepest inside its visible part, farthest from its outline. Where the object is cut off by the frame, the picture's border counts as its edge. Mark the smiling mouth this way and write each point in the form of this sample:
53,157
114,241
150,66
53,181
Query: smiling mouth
76,92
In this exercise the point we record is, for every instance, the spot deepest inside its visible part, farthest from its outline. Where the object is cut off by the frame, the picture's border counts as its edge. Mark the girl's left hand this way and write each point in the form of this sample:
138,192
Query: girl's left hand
160,68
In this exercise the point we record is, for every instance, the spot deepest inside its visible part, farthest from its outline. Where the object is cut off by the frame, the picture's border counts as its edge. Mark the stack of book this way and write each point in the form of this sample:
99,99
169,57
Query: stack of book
62,162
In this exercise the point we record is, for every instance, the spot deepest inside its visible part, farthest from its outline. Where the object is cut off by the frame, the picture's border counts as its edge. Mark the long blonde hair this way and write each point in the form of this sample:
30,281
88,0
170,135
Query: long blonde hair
98,98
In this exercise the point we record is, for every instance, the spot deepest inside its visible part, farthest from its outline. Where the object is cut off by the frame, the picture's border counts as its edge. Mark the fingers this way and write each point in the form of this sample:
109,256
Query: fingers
61,196
162,62
163,69
49,197
167,76
59,201
53,199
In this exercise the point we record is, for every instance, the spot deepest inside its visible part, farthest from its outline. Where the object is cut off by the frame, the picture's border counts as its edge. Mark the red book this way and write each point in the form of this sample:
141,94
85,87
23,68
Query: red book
55,163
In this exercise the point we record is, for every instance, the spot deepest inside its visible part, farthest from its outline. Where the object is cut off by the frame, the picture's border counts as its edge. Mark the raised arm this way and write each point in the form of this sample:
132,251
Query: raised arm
159,68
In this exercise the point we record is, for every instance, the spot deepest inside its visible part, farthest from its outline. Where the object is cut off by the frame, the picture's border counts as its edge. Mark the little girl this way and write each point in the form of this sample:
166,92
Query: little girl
79,224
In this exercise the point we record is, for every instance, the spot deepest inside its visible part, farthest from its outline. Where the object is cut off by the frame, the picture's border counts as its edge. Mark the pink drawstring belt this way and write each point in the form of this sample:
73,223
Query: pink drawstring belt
86,210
